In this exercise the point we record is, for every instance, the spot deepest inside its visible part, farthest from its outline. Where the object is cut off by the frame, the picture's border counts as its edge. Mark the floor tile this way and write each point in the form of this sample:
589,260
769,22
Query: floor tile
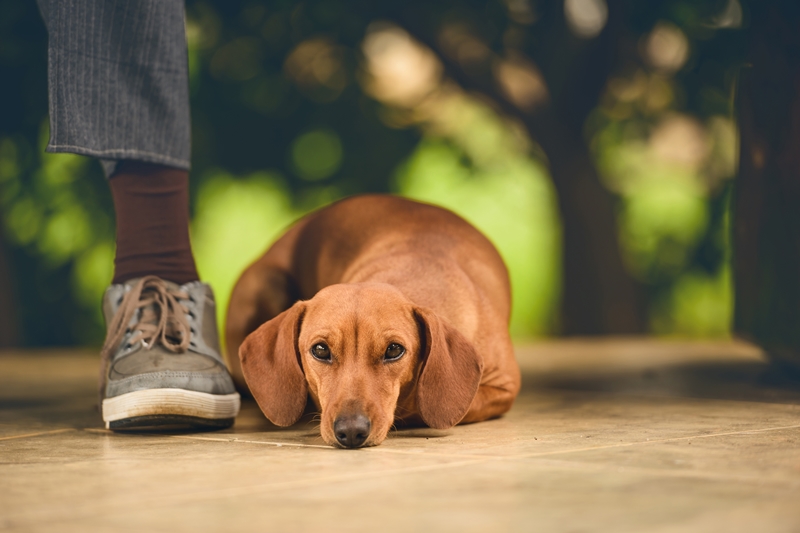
623,435
491,495
86,473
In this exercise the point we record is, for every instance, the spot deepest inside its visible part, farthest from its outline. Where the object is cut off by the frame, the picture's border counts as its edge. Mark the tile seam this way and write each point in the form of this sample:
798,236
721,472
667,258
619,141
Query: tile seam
654,441
488,456
230,492
38,434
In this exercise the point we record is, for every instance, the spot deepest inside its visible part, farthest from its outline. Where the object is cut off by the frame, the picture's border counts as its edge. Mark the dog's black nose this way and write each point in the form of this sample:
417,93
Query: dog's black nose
351,430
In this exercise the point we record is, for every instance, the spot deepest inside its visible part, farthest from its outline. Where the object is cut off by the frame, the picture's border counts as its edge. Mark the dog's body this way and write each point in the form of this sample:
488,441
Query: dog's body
381,308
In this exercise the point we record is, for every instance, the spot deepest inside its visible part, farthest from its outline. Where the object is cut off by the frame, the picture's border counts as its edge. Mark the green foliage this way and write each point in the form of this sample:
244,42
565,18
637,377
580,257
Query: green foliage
317,154
671,168
287,117
513,206
236,220
59,216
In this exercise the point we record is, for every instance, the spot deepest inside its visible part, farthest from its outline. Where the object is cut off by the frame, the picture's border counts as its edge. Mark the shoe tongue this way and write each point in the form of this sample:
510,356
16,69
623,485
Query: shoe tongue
115,293
147,314
150,314
112,299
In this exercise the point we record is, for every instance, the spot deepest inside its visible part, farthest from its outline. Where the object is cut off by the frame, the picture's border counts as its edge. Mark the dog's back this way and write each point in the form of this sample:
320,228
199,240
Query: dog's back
435,257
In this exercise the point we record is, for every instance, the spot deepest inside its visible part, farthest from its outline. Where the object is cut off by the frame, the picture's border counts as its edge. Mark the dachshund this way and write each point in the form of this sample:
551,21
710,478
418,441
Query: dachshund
383,310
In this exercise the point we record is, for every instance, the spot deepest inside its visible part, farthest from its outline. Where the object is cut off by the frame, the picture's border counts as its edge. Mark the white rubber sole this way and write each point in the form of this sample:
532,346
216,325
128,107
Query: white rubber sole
170,403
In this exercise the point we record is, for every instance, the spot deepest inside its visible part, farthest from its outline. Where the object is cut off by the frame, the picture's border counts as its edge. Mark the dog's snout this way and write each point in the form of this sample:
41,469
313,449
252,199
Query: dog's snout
352,430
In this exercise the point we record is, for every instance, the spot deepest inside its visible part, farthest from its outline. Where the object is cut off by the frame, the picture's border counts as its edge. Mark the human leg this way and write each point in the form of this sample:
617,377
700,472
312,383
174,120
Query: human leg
152,207
118,86
118,80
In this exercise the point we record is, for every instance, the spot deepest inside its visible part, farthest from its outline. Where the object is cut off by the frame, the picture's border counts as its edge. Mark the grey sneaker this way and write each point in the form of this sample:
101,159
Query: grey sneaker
161,364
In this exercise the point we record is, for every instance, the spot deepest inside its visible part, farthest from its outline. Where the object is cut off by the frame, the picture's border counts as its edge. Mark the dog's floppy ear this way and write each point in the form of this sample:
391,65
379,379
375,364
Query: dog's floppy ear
451,372
272,369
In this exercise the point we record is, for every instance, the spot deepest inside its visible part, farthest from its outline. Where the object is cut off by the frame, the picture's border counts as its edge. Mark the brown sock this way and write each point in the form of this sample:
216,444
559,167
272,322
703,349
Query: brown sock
152,205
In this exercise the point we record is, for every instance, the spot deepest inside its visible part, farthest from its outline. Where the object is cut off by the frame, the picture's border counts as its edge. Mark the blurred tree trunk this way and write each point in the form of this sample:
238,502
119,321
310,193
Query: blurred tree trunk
599,296
8,316
767,203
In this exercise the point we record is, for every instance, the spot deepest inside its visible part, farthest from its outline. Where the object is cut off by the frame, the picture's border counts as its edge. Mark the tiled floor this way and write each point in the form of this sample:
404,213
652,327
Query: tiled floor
613,435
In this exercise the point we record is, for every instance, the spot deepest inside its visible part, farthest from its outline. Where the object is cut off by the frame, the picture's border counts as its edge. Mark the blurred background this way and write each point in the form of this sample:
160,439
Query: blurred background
593,141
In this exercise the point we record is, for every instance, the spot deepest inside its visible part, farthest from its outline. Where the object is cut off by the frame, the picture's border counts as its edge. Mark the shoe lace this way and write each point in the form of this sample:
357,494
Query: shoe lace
161,321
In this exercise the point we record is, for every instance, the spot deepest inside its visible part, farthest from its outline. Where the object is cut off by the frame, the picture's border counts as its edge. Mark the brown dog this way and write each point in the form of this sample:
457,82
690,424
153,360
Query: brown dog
381,309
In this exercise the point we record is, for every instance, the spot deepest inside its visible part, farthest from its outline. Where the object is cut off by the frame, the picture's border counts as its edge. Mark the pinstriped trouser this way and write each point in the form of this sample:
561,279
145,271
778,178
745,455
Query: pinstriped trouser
118,80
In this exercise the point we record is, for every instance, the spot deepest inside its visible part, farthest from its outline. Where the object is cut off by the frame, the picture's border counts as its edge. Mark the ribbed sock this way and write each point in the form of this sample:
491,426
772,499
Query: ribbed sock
152,206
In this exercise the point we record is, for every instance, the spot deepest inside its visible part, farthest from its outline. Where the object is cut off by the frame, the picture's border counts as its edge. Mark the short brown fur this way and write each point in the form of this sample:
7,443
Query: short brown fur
359,275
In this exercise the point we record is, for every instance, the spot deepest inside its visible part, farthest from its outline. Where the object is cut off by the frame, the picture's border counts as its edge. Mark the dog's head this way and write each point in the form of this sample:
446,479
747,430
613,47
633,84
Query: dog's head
363,352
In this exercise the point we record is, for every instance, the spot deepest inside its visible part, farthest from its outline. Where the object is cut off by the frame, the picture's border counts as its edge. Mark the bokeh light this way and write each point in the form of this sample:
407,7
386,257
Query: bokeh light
666,47
317,154
586,18
295,108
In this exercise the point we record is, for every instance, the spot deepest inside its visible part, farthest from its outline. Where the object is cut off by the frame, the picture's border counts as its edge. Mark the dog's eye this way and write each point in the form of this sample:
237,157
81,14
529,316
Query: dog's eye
394,352
321,351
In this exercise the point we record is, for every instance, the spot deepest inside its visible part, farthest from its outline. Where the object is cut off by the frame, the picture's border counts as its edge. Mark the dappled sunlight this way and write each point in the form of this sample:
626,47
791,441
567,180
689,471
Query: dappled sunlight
55,216
513,206
680,140
698,306
661,223
315,65
475,162
297,105
521,11
666,47
236,219
521,82
637,93
92,274
400,70
460,45
663,164
317,154
667,168
586,18
731,16
65,233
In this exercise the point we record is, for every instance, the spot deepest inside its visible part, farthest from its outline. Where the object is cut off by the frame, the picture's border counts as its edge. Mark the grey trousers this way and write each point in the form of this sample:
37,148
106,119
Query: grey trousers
118,80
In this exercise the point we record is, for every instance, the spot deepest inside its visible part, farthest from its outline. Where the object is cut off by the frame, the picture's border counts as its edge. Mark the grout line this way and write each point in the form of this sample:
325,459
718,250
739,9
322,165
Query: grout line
654,441
573,450
215,439
218,493
50,432
262,488
380,449
398,451
663,472
221,439
247,441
